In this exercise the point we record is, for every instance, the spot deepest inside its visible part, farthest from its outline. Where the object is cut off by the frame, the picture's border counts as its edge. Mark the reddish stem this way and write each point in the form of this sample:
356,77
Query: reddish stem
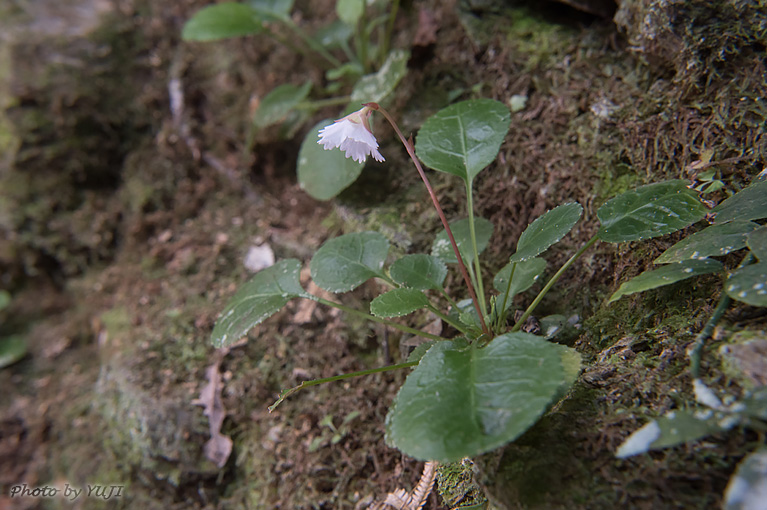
411,151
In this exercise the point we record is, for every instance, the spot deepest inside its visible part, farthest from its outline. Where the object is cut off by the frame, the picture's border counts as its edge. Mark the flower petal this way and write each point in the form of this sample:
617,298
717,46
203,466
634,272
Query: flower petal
352,135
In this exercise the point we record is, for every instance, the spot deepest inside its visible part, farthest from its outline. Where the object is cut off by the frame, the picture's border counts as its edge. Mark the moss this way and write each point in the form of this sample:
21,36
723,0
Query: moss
71,139
456,484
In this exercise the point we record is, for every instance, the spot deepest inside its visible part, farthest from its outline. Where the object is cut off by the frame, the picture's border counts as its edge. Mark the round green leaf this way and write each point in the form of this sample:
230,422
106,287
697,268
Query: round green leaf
375,87
268,291
222,21
649,211
547,230
443,249
666,275
463,138
749,203
757,243
350,10
526,273
324,173
278,103
12,349
398,302
348,261
419,271
5,299
715,240
749,285
461,402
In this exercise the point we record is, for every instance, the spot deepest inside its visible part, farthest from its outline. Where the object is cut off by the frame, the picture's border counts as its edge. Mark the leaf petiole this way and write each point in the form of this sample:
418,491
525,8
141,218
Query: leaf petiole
314,382
551,283
364,315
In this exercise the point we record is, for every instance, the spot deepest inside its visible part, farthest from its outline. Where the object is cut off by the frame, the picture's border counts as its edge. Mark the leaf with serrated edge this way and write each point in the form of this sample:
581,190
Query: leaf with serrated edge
419,271
463,401
649,211
749,203
443,249
419,351
666,275
547,230
268,291
398,302
346,262
749,285
712,241
463,138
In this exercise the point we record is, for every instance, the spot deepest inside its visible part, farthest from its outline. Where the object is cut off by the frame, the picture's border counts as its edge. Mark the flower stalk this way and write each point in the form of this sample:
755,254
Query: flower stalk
411,152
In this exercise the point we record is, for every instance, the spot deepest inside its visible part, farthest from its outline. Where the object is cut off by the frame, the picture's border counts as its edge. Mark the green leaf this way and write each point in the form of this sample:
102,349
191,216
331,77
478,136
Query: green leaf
712,241
443,249
749,203
334,35
757,243
348,261
649,211
324,174
268,291
525,275
279,102
547,230
5,299
12,349
674,428
276,8
398,302
419,351
222,21
463,138
350,11
463,401
419,271
666,275
749,284
349,69
746,489
466,313
375,87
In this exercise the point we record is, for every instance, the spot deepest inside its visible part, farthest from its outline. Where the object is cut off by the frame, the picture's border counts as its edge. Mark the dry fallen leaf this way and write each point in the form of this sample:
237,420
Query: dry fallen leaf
219,447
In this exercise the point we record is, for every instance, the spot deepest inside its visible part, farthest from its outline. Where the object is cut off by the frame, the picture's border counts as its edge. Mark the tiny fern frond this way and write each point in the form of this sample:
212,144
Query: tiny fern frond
425,485
400,499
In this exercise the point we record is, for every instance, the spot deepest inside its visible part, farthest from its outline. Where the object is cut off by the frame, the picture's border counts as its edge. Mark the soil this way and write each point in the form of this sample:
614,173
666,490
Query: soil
134,185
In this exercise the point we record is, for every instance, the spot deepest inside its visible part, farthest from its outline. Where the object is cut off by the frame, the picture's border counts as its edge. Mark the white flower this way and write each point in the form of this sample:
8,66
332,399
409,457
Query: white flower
352,135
